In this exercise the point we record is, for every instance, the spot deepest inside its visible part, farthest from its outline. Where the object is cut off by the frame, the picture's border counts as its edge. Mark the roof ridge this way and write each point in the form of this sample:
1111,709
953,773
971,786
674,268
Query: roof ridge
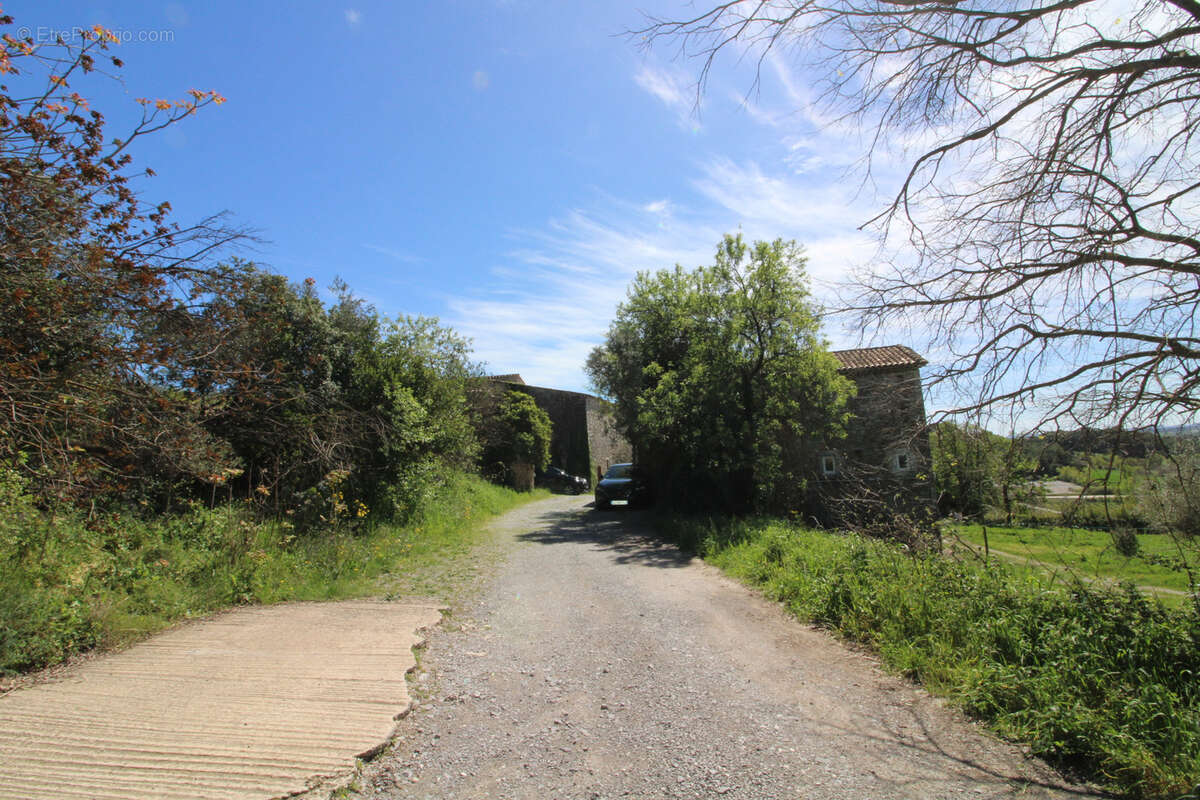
888,356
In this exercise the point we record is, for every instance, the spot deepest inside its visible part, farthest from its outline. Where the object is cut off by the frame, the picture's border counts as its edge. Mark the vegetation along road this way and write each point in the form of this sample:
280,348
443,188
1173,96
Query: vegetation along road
602,663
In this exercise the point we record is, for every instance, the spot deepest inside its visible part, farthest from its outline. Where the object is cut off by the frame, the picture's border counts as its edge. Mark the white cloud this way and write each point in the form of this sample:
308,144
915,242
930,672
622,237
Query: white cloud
551,299
662,85
353,16
670,88
821,213
553,296
398,255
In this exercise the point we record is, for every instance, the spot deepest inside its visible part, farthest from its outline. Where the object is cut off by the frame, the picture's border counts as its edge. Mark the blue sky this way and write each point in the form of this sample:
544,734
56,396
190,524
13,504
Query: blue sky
506,166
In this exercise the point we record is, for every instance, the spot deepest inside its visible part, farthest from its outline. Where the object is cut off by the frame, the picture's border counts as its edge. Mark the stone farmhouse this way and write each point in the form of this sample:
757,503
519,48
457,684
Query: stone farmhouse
886,447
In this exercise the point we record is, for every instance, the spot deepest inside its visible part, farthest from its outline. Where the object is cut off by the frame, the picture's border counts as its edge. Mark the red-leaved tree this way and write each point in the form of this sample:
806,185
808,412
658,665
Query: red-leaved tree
91,280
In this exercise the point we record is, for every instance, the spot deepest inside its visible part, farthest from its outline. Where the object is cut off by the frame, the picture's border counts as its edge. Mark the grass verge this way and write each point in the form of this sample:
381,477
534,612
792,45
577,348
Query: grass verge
68,584
1100,681
1159,560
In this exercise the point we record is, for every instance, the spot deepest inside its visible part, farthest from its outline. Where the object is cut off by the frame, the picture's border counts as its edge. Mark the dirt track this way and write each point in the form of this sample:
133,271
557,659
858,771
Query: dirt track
601,664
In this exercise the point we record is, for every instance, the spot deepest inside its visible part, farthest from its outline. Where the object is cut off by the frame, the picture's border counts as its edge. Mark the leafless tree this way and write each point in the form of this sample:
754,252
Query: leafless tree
1047,237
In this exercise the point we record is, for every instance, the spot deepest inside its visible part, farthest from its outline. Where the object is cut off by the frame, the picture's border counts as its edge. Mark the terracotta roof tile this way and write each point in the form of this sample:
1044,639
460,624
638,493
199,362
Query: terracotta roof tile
870,358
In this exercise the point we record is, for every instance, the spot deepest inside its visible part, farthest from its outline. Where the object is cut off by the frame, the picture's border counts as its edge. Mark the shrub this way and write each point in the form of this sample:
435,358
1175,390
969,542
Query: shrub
108,580
1100,680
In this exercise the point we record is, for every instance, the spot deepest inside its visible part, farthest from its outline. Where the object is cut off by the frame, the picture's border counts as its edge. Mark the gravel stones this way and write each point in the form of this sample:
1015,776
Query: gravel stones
602,663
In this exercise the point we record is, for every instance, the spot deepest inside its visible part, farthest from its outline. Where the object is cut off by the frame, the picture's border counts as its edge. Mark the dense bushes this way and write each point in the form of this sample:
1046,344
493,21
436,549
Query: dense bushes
69,582
1099,680
140,364
179,429
305,409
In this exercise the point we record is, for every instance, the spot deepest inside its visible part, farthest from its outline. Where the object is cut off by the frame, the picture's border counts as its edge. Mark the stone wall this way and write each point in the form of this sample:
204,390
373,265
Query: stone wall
606,445
583,437
889,420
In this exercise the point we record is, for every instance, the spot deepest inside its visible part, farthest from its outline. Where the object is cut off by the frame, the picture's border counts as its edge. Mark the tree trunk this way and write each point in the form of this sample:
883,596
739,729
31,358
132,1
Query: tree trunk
522,477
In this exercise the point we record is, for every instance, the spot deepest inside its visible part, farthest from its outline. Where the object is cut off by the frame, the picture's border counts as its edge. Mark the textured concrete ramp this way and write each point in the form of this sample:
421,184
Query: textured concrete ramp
252,704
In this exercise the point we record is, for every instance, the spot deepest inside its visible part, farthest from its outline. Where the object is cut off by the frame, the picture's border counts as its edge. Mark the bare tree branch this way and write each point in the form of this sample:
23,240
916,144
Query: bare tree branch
1047,242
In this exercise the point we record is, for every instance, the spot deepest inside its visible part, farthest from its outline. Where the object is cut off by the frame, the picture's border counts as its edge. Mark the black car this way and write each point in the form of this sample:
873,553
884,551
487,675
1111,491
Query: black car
557,480
624,484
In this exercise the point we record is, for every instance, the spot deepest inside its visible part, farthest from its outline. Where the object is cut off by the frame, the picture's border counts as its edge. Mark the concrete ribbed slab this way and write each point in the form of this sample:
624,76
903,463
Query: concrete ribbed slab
251,704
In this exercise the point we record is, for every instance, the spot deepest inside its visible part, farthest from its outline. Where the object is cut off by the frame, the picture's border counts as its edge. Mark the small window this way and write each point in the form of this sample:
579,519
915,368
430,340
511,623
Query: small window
828,465
901,462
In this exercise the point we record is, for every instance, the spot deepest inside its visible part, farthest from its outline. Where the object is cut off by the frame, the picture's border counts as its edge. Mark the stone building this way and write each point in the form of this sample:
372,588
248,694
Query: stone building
886,450
584,438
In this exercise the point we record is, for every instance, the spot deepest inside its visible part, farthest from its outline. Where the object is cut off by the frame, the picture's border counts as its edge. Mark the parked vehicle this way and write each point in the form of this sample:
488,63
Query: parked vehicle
557,480
624,484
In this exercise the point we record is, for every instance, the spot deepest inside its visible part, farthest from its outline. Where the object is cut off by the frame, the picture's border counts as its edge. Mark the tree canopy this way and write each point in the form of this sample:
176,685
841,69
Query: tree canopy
1045,240
141,362
93,280
720,377
975,469
527,430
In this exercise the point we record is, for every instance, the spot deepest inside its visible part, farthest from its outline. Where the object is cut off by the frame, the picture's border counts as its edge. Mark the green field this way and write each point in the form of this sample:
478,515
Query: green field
1159,563
1123,477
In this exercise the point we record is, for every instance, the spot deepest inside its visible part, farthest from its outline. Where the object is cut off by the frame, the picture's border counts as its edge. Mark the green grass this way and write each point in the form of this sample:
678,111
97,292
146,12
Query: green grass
1124,476
68,584
1099,680
1159,562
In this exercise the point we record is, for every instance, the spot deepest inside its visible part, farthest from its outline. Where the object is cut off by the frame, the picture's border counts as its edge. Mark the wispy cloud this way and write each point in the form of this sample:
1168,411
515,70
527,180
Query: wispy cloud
663,85
551,297
398,255
554,294
671,88
353,17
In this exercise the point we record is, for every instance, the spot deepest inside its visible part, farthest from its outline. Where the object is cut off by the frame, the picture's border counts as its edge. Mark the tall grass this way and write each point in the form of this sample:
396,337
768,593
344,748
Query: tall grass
1104,682
68,583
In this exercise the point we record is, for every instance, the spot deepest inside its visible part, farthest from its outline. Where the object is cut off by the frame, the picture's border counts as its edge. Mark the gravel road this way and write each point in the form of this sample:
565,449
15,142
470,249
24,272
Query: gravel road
602,663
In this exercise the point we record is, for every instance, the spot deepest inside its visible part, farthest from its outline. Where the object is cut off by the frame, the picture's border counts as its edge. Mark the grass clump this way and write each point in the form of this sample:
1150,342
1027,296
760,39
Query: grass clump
1098,680
69,583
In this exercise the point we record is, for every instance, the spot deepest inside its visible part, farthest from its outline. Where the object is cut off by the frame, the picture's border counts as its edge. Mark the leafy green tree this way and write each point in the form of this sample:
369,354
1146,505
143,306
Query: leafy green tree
965,466
409,401
527,430
1051,457
135,365
317,397
721,380
975,469
276,402
436,364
